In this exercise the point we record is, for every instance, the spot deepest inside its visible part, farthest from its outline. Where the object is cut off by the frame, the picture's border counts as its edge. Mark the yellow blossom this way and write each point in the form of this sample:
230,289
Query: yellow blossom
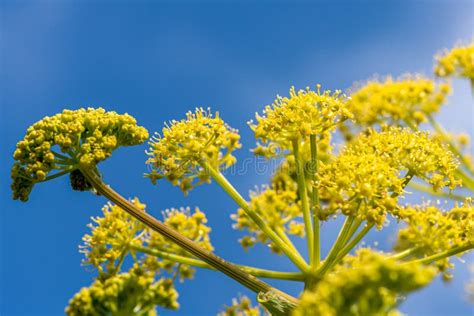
458,62
278,208
432,230
117,235
369,284
415,152
111,237
397,101
130,293
68,140
363,185
191,225
183,144
304,113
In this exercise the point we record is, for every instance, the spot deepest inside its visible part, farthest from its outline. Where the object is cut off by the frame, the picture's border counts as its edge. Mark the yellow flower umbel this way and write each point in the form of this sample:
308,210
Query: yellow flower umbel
69,140
130,293
117,235
279,209
303,113
362,185
431,231
370,285
416,153
201,136
402,101
111,237
458,62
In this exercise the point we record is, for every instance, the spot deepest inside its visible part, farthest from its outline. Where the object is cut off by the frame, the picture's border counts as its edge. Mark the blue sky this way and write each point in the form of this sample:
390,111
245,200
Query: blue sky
157,60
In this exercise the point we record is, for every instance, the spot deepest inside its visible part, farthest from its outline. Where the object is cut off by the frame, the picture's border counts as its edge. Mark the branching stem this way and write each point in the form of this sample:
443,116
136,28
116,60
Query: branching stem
263,273
255,217
190,246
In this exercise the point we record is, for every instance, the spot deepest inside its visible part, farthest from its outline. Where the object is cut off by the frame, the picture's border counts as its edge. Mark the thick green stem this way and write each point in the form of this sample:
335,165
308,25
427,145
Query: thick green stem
315,204
255,217
190,246
445,254
263,273
303,198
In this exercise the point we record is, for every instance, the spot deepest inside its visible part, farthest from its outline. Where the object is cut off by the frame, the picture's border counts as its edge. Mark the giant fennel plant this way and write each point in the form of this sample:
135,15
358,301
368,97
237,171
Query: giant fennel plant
386,153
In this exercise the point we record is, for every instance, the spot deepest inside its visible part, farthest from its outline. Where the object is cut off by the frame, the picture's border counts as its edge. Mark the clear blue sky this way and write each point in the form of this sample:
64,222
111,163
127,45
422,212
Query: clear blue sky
158,60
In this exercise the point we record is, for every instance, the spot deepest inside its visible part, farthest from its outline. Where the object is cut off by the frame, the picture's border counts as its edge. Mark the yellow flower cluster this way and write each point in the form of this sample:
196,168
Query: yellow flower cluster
85,137
369,285
116,235
191,225
111,237
457,62
131,293
242,307
297,117
414,152
433,231
397,101
280,210
363,185
177,153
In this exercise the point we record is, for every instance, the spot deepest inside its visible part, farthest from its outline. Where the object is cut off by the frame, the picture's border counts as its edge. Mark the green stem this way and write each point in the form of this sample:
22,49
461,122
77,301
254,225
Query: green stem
354,227
445,254
264,273
345,250
315,204
341,238
232,271
404,254
295,257
58,174
62,157
303,195
280,232
440,130
429,190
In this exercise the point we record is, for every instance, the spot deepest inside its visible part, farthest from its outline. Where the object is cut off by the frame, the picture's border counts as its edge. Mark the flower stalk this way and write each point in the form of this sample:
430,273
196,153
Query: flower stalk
303,198
315,203
234,194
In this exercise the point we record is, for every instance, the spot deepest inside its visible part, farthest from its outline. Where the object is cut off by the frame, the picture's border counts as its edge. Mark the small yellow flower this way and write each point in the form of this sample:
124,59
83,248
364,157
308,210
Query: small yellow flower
183,144
368,284
398,101
304,113
458,62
